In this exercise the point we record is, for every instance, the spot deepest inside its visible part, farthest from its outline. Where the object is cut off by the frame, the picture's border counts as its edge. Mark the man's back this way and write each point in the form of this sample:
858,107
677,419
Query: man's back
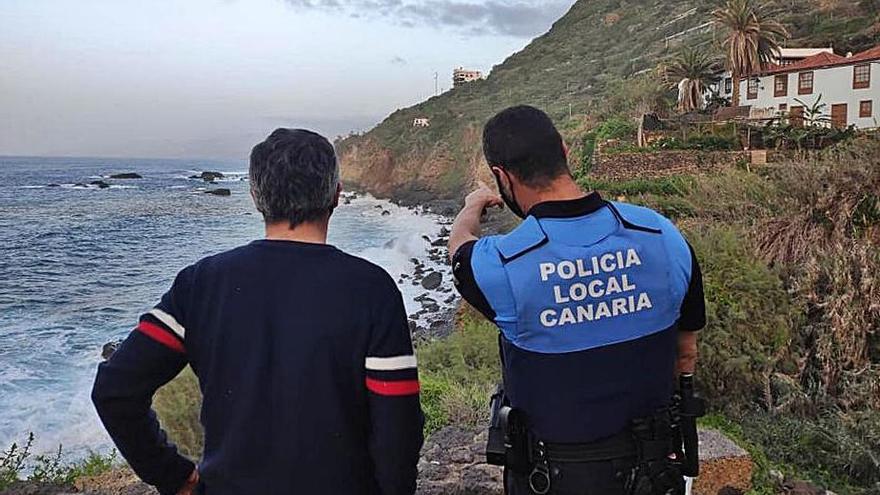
303,354
278,333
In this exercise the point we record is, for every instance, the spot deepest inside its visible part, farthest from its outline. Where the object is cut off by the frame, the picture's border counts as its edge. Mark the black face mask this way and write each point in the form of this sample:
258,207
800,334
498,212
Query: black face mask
509,201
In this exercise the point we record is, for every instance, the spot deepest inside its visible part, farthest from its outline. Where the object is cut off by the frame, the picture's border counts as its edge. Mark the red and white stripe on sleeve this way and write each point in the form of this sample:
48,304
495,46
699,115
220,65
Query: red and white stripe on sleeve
394,376
163,328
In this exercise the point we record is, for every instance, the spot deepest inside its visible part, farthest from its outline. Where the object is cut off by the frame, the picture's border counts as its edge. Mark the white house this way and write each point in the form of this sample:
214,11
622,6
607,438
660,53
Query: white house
421,122
786,56
848,86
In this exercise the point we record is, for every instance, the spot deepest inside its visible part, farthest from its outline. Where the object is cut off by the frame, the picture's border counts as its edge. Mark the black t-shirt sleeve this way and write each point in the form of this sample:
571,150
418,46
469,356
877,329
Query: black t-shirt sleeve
693,307
466,283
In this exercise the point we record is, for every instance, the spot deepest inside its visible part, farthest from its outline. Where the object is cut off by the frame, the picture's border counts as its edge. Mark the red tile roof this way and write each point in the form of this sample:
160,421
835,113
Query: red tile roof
823,60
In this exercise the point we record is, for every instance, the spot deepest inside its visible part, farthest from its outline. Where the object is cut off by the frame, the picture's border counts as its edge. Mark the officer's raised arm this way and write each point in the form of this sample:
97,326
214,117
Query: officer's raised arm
466,227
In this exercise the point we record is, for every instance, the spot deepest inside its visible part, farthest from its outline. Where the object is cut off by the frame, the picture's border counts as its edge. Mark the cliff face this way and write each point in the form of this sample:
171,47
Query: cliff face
597,60
415,176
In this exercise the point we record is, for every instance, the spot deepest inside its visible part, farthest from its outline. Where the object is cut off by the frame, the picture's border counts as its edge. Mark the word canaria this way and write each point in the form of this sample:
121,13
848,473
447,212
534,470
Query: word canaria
596,287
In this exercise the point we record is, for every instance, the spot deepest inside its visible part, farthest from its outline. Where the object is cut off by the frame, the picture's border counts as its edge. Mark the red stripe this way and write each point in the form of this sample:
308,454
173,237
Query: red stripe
161,336
393,389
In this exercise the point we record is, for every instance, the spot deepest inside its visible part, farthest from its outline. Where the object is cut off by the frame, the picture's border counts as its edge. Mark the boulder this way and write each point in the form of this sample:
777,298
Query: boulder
126,175
101,184
219,192
109,348
208,176
432,280
54,185
725,468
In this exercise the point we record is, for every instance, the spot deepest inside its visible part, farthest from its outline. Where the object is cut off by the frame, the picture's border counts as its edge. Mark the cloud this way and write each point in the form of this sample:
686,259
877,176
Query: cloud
518,18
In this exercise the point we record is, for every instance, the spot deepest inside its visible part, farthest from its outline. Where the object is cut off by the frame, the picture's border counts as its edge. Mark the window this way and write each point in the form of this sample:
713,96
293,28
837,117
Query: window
805,83
728,85
780,86
866,109
753,88
783,107
862,76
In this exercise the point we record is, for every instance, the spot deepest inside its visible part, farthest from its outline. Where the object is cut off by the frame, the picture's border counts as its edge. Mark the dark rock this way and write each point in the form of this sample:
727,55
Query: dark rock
444,232
109,348
80,184
440,242
54,185
426,238
126,175
386,213
208,176
219,192
432,280
453,463
101,184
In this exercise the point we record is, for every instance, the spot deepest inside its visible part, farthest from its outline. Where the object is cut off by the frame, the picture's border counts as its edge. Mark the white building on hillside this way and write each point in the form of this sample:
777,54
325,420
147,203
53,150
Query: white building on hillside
848,86
786,56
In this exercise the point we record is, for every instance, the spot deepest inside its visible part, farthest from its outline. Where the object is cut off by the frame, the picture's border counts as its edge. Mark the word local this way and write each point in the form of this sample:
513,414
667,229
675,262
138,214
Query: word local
595,289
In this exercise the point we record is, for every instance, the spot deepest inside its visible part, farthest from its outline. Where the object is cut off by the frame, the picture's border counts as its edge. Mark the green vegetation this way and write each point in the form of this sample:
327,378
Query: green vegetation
459,374
18,463
178,405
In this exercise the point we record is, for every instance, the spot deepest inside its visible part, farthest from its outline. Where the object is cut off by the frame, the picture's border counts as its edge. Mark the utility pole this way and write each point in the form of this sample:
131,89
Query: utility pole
436,84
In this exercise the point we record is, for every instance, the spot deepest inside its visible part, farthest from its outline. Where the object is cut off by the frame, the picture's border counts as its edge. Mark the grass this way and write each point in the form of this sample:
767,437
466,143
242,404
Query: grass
459,374
19,463
178,405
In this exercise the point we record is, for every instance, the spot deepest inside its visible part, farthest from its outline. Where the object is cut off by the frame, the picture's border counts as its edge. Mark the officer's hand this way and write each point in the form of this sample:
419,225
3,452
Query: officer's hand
191,483
483,198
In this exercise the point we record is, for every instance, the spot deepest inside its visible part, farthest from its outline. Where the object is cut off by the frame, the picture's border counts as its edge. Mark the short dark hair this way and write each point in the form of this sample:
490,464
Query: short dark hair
523,141
294,176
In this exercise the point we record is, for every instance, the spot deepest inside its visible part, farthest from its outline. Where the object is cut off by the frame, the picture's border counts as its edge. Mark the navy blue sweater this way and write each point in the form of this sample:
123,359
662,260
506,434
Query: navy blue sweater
306,366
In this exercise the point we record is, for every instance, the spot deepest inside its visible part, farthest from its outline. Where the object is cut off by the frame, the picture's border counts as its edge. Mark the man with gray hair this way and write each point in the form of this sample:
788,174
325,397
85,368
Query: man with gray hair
302,352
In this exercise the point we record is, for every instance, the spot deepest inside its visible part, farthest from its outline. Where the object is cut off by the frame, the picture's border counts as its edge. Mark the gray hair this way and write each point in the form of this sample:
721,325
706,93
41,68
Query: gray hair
294,177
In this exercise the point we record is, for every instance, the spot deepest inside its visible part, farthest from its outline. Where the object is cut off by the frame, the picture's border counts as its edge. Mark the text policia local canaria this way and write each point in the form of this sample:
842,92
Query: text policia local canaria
600,287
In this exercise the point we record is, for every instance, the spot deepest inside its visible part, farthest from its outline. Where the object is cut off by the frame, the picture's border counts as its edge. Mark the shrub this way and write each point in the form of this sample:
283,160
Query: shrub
665,186
459,374
49,469
178,405
750,319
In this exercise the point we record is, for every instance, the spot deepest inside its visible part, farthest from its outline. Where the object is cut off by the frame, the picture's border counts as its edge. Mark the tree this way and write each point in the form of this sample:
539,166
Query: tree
752,39
692,72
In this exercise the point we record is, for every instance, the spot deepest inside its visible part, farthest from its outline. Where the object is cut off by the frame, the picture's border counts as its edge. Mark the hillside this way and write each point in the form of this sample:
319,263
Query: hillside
596,61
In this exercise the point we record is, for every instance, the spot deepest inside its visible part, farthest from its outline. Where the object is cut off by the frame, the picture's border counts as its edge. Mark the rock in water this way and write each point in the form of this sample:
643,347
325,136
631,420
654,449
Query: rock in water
109,348
126,175
432,280
219,192
208,176
101,184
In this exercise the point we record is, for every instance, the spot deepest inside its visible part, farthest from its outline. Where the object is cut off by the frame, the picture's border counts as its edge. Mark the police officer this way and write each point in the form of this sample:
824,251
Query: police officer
598,304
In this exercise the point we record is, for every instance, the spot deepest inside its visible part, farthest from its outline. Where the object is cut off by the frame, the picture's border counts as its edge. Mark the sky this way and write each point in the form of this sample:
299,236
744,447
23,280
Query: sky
211,78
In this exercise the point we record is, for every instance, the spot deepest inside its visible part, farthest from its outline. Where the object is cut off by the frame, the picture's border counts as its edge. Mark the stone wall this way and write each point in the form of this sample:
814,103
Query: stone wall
628,166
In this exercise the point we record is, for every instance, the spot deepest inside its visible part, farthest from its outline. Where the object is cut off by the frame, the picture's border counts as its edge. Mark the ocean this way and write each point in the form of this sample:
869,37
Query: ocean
79,263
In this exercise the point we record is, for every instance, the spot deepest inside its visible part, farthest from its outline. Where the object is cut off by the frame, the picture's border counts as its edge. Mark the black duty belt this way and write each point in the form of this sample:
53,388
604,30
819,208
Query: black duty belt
617,446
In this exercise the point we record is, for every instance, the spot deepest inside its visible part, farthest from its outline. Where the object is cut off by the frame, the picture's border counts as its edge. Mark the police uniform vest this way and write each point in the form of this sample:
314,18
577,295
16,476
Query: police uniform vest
587,308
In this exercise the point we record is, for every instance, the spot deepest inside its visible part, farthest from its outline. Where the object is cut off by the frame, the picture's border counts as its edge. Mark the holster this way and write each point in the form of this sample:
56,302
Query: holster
508,441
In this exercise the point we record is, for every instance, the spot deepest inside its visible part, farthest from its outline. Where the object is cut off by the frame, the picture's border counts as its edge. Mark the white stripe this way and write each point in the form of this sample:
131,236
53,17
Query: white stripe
391,363
169,321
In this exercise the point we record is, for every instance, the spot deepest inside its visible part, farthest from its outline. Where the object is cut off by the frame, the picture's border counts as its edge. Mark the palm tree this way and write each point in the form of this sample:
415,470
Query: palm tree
752,39
692,72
